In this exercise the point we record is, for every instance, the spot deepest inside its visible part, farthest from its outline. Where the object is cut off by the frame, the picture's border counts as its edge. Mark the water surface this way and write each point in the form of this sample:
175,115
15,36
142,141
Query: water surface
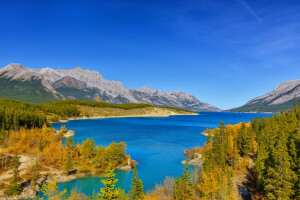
157,143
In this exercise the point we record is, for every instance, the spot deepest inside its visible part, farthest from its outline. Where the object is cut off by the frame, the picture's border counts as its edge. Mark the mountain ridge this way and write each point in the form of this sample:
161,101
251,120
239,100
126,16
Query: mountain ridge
84,84
281,98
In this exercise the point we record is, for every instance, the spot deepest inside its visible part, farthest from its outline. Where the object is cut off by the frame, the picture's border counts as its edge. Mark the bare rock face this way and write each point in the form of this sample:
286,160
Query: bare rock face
70,82
175,99
279,99
90,84
283,93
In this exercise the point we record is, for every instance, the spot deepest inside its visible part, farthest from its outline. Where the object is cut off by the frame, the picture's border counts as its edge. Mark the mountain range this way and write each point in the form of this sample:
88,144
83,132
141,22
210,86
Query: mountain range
47,84
279,99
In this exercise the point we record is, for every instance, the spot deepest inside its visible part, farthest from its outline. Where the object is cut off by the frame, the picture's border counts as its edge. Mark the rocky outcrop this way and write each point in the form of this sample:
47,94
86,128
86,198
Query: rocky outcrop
196,161
89,85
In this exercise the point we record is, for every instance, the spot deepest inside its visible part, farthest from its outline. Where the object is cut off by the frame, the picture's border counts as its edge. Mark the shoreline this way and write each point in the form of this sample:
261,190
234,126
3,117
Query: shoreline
49,175
206,134
123,116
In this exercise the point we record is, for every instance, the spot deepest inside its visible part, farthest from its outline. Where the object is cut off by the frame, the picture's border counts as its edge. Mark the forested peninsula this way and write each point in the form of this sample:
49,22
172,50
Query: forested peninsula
255,160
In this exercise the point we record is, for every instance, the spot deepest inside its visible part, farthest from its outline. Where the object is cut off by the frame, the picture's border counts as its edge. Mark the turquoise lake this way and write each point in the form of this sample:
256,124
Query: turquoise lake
156,143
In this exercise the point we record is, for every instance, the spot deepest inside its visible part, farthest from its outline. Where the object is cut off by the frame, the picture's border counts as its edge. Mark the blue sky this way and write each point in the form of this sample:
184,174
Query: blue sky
225,52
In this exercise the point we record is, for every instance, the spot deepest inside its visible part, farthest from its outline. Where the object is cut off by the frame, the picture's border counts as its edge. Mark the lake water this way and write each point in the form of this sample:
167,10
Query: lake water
157,143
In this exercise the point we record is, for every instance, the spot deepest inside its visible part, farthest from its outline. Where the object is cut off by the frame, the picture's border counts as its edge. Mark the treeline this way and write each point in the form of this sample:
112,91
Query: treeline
60,108
15,114
69,108
126,106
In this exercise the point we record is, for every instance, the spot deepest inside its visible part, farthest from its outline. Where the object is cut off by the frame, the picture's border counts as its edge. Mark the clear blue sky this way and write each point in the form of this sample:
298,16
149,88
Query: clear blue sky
225,52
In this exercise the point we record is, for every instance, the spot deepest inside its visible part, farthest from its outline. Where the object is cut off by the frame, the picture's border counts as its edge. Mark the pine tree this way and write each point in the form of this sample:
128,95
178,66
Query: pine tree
16,121
245,140
2,134
69,163
36,175
137,191
295,107
260,167
109,192
219,145
177,192
70,143
14,188
280,178
187,185
210,160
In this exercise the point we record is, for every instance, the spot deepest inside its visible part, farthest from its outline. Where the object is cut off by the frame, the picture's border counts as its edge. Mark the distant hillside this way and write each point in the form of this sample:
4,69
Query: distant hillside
281,98
31,89
45,85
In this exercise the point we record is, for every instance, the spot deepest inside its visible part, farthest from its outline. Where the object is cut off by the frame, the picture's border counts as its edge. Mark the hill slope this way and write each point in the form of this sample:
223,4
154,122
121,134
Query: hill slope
279,99
19,84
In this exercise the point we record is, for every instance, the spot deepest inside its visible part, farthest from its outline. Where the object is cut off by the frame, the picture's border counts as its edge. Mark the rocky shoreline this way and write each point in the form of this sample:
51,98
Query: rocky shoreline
28,191
197,161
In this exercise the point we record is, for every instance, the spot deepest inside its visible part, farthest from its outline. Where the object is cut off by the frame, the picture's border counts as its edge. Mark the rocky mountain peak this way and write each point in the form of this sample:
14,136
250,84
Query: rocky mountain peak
146,90
15,66
78,69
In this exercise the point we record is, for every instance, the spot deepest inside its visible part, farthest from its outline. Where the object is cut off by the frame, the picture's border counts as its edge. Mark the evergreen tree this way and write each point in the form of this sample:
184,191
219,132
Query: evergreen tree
14,188
16,121
183,188
245,140
280,178
69,163
177,192
109,192
209,161
219,145
70,143
137,191
295,107
35,177
187,185
260,167
2,134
